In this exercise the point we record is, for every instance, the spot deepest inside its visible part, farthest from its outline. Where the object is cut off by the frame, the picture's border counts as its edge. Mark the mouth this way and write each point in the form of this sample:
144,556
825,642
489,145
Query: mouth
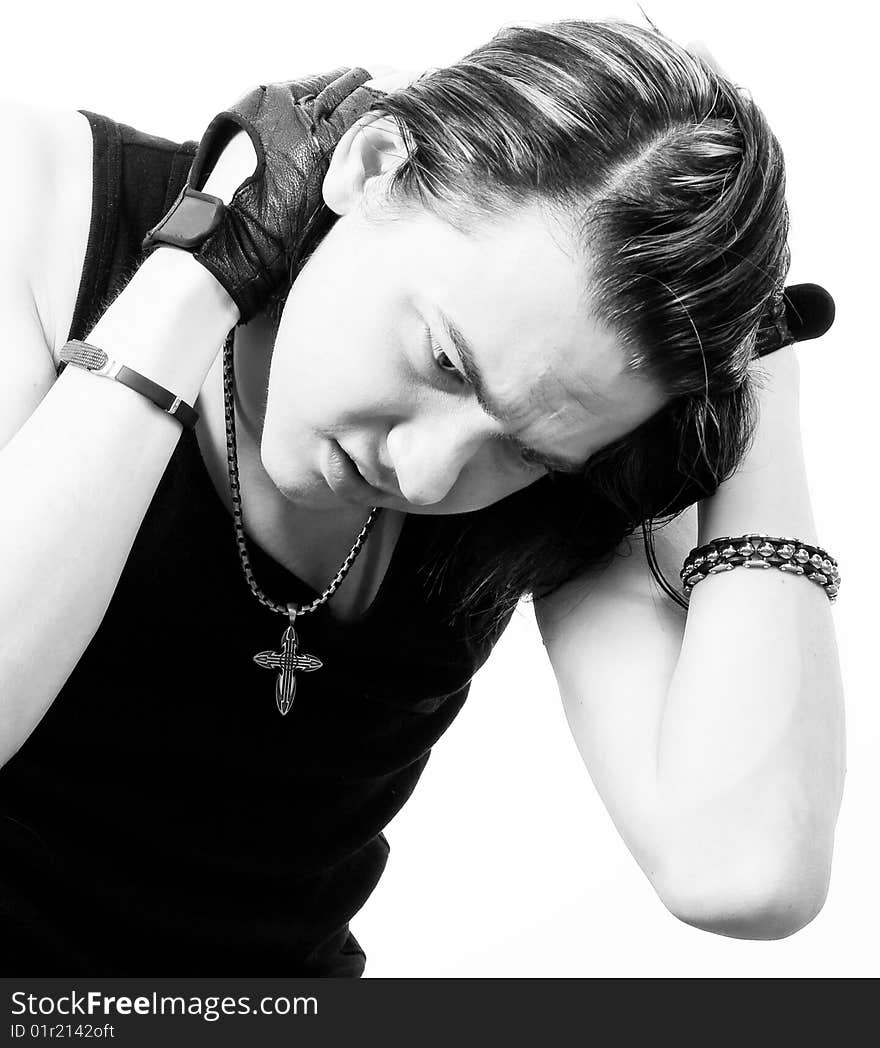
345,478
367,474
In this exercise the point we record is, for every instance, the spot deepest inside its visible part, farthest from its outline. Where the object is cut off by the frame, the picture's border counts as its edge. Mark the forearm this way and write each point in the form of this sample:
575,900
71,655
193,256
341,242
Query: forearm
79,475
750,758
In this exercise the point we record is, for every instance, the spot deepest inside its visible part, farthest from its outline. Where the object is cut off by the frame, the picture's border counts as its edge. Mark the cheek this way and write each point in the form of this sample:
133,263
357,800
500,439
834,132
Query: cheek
314,370
342,346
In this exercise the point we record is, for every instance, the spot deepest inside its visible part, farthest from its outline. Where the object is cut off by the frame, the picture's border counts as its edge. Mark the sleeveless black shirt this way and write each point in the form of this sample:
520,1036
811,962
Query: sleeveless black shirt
163,818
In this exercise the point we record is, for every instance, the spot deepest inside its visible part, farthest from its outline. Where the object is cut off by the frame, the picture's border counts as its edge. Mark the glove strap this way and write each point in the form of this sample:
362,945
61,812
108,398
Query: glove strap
193,217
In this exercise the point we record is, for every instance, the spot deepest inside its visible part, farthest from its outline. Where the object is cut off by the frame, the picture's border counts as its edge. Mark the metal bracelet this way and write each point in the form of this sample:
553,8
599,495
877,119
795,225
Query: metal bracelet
757,550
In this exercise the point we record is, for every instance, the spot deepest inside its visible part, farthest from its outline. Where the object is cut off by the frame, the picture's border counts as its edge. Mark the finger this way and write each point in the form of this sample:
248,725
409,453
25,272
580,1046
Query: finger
338,90
347,113
312,85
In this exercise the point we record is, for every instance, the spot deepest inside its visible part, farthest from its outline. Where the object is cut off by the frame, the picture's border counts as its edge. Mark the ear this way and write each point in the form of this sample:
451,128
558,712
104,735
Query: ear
372,148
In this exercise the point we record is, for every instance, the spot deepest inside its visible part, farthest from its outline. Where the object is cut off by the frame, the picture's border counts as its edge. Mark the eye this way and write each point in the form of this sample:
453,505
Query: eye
530,462
441,359
523,459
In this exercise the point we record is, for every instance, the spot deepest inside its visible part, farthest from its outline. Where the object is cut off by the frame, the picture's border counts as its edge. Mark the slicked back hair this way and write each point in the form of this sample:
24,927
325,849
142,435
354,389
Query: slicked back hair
674,186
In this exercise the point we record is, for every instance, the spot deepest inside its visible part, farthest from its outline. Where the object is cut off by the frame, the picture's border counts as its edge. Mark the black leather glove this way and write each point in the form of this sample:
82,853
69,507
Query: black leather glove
253,243
796,313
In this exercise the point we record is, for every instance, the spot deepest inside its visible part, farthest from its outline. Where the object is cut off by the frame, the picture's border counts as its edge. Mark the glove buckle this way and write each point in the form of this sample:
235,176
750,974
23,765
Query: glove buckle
191,220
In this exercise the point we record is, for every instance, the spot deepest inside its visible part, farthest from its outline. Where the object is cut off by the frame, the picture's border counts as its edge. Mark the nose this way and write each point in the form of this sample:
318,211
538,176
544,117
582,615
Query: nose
430,453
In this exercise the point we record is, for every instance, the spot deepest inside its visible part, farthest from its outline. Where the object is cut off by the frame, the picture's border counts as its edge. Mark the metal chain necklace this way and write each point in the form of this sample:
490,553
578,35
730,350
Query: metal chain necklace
288,660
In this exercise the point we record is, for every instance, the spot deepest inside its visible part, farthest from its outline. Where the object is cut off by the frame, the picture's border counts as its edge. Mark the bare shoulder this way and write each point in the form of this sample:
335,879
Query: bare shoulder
49,174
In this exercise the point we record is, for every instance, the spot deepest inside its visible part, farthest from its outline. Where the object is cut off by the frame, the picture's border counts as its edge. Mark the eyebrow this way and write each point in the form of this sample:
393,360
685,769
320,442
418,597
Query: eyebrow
557,464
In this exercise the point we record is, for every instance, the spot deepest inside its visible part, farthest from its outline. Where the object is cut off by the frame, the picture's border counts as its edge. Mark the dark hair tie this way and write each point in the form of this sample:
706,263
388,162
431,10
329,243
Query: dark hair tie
797,313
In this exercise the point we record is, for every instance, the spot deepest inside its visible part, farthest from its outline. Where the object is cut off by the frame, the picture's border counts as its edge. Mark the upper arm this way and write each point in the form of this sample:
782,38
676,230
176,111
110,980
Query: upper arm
613,638
29,183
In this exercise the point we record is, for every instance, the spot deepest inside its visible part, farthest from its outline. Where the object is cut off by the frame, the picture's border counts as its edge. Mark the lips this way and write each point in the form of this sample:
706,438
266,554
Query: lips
344,477
374,478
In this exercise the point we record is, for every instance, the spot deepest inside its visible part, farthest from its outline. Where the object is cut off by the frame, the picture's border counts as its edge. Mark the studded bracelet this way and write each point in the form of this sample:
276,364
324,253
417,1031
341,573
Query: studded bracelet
757,550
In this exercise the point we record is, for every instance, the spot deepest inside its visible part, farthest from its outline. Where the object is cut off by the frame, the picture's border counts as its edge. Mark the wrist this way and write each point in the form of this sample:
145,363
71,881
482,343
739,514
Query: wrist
767,494
169,268
768,491
169,322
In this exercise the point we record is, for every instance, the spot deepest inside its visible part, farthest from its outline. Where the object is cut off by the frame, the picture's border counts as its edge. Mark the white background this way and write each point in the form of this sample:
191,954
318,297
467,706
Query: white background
504,861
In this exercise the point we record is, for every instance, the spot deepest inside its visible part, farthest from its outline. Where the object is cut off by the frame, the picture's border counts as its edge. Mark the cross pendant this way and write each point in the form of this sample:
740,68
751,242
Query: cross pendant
287,662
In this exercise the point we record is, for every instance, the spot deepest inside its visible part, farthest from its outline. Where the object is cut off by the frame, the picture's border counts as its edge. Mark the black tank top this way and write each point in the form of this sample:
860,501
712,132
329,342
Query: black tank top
163,818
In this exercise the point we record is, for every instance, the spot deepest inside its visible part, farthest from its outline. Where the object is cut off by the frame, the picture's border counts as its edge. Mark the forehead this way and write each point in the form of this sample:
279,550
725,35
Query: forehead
517,287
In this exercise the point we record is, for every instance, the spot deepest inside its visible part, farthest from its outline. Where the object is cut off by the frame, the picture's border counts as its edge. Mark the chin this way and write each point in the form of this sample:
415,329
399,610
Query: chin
298,485
306,493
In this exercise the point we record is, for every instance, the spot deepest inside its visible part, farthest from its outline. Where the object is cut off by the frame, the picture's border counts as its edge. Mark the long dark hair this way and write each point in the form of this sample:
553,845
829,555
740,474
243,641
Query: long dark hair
675,184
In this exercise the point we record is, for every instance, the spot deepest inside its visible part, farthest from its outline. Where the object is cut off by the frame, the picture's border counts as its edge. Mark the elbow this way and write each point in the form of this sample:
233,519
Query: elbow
769,900
766,915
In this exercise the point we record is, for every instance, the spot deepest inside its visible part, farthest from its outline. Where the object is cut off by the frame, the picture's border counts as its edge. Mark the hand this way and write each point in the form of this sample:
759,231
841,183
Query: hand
278,138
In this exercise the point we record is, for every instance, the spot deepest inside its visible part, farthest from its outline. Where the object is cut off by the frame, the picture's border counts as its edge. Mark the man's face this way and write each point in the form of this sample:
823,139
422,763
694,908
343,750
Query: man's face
364,361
